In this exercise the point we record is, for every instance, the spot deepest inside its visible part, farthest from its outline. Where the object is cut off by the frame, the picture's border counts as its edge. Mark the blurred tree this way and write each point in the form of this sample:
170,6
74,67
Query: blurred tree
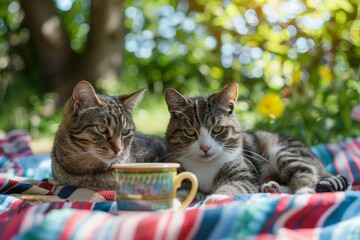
307,53
296,61
61,67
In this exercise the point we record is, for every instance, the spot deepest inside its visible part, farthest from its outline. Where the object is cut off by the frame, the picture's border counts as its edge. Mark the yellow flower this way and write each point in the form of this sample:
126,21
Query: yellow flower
271,106
296,77
326,74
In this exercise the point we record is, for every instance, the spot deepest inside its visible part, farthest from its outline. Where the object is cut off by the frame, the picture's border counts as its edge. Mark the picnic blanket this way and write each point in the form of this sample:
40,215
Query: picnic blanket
80,213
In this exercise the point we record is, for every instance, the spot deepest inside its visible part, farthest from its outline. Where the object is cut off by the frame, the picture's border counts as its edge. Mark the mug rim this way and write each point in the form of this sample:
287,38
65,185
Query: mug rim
145,166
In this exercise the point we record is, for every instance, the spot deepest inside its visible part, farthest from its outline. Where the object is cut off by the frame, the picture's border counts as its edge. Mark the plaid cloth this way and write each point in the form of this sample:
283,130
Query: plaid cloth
88,214
15,145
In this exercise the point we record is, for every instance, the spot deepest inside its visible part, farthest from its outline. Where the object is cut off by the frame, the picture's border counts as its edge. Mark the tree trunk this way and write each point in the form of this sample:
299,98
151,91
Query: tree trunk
49,37
61,67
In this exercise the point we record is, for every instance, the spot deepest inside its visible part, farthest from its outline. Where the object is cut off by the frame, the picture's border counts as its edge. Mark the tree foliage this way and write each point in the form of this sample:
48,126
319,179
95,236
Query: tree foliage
296,62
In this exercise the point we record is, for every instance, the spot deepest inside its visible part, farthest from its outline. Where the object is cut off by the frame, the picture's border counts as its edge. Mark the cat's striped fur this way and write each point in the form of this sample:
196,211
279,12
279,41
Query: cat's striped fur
206,138
96,132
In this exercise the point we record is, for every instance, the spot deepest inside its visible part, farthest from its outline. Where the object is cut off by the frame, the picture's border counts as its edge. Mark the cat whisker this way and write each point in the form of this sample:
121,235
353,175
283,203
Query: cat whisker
249,162
168,157
180,153
70,159
226,160
70,150
258,155
229,163
78,155
247,157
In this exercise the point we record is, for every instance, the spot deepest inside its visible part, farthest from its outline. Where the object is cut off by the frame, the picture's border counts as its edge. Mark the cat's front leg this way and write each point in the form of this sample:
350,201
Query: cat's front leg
215,198
232,188
297,166
229,190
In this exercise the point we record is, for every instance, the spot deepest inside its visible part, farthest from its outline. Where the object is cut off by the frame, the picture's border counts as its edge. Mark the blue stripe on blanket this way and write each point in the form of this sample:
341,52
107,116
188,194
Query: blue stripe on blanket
106,207
346,210
206,227
66,191
19,188
351,163
323,153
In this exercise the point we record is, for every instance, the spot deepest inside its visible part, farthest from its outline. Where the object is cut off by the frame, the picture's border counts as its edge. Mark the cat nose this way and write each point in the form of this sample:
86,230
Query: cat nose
116,150
205,148
116,146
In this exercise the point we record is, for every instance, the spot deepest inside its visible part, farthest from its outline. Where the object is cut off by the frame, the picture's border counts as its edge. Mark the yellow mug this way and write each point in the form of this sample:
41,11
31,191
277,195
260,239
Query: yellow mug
150,186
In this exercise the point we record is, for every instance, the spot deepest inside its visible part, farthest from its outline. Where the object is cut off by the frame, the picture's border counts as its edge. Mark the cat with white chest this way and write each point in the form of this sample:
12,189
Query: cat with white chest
206,138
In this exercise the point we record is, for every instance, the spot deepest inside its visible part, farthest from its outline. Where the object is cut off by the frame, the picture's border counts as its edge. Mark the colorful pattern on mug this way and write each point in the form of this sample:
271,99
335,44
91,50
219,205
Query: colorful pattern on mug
151,185
145,190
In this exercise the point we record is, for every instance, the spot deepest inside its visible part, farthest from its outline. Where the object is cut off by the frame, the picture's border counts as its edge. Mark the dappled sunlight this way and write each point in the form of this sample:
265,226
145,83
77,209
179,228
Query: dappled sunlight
289,45
304,53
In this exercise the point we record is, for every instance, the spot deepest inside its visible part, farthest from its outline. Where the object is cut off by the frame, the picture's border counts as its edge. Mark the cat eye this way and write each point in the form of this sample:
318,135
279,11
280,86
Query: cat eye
190,132
217,129
125,132
101,129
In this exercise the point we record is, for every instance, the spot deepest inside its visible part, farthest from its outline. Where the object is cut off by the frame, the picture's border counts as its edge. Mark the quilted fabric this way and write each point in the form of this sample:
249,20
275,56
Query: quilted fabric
87,214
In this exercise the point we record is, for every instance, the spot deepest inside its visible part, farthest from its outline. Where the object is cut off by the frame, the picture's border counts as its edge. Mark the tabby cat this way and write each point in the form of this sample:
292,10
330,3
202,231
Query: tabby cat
96,132
206,138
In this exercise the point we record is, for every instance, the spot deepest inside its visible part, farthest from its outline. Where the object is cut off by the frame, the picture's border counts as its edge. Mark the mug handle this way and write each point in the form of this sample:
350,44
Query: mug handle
194,186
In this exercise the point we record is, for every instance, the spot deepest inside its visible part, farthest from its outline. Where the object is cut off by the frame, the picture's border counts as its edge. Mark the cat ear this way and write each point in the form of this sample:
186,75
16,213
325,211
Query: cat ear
131,100
84,95
175,100
227,97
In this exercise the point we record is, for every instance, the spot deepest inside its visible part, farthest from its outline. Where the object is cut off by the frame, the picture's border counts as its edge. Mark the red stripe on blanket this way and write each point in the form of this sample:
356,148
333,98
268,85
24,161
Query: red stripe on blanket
190,224
108,195
82,205
339,152
10,228
14,135
147,227
24,151
7,184
20,170
15,145
17,205
355,186
47,186
280,209
310,214
354,153
71,224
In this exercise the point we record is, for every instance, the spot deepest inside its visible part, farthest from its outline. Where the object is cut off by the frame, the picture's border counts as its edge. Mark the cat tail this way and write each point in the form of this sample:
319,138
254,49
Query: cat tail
333,184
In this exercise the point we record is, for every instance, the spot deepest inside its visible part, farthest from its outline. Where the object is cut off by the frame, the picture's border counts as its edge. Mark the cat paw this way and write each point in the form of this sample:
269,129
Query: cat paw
271,187
215,198
333,184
